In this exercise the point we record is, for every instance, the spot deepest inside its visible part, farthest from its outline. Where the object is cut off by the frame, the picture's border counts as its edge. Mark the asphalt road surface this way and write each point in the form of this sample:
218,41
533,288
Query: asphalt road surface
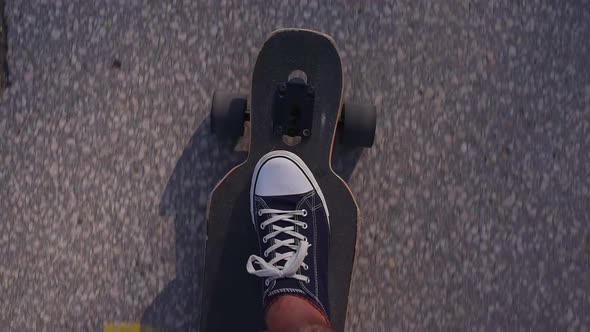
475,196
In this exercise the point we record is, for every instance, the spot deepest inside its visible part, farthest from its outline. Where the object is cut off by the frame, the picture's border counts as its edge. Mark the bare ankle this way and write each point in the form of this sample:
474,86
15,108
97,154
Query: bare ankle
289,313
315,328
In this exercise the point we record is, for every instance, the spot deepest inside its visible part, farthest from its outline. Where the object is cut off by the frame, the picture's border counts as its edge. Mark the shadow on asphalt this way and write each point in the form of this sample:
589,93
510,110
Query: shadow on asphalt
204,161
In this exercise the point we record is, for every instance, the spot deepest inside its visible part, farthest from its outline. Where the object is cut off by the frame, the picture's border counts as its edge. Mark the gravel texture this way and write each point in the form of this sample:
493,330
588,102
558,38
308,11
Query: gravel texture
3,50
475,197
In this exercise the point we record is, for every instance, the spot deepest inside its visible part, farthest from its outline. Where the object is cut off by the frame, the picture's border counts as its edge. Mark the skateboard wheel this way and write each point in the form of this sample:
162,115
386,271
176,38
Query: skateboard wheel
358,124
228,112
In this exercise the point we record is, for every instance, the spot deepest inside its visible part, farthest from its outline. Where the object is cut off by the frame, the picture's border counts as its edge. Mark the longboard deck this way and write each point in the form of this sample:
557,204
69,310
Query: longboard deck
232,298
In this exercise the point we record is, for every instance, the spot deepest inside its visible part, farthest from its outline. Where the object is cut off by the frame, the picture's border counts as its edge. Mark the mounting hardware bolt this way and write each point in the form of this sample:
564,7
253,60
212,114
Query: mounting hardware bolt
306,132
282,87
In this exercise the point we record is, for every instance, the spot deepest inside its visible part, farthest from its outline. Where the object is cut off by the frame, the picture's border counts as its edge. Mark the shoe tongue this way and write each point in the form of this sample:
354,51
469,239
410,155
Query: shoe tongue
286,203
284,285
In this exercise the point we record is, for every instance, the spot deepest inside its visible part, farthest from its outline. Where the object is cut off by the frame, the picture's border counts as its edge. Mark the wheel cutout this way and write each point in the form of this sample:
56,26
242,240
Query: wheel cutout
298,74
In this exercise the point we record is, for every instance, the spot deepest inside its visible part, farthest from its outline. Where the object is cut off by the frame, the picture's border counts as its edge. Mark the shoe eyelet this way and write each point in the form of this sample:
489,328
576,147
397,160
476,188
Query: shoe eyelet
264,240
266,283
261,226
308,281
304,212
304,226
265,254
305,267
259,213
305,238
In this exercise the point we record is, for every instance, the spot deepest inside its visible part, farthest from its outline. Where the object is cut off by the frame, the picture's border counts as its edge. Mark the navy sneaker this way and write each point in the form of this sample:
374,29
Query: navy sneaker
290,216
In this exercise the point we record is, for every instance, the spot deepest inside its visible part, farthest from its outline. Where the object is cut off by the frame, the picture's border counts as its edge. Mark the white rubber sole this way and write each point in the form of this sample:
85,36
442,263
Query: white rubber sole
294,158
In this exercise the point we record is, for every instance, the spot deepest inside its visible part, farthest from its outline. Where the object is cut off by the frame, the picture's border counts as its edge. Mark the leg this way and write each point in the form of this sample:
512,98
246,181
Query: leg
290,313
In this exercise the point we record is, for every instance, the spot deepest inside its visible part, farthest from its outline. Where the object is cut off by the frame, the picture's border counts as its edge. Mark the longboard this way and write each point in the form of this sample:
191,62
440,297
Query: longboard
232,298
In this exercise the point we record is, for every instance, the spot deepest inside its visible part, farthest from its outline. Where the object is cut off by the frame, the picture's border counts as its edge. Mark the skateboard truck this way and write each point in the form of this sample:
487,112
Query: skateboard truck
292,112
292,115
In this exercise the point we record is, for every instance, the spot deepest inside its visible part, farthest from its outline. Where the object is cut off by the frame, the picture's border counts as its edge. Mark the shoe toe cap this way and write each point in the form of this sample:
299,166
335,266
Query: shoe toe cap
281,176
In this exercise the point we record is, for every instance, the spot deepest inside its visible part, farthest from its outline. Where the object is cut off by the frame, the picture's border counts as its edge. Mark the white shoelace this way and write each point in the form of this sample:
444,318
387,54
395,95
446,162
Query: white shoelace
294,258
